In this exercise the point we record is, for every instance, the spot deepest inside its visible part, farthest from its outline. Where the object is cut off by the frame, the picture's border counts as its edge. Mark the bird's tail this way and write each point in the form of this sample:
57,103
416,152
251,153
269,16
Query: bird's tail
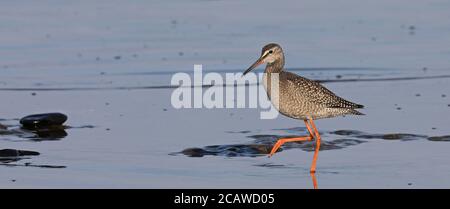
355,112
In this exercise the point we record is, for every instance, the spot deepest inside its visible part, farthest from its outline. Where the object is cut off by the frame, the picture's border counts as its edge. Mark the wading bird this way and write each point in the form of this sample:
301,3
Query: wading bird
300,98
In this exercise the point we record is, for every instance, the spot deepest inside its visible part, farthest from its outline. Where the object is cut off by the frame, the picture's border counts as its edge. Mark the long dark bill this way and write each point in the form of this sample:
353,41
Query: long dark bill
258,62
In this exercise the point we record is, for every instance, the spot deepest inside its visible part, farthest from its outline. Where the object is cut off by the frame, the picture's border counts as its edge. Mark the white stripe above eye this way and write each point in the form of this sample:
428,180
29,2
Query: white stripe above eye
265,53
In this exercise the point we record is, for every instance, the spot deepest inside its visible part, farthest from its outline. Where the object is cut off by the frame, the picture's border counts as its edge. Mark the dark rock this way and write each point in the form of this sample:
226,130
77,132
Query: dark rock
43,120
195,152
401,136
3,127
347,132
16,153
440,138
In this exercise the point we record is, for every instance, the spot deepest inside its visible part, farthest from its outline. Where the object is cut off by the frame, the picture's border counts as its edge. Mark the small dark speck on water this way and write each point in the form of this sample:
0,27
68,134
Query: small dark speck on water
164,109
107,103
338,76
374,39
79,55
424,69
443,95
164,59
399,108
107,129
417,95
102,73
135,55
433,128
448,105
412,27
33,94
97,59
117,57
180,53
409,184
13,180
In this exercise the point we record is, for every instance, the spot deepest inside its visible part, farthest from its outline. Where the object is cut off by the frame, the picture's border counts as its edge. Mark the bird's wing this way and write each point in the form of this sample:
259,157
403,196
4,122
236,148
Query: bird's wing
316,93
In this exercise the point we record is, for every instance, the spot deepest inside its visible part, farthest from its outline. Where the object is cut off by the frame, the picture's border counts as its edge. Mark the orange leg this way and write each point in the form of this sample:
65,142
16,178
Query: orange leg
316,152
309,129
314,180
282,141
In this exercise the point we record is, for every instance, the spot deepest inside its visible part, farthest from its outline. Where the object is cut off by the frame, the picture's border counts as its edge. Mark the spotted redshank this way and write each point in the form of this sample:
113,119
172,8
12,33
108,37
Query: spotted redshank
300,98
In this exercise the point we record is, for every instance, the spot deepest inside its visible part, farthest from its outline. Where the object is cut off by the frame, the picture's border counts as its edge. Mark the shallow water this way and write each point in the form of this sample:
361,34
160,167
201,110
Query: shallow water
109,71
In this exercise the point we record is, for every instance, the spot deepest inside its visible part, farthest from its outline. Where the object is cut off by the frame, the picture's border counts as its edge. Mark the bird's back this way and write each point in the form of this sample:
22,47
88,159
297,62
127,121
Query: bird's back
302,98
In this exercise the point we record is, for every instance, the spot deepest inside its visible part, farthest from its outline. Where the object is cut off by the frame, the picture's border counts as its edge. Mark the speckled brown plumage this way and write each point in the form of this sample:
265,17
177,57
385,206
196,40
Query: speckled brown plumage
301,98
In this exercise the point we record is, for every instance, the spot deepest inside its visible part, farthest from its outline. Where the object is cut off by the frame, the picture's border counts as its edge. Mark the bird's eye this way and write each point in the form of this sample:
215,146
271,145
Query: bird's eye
271,51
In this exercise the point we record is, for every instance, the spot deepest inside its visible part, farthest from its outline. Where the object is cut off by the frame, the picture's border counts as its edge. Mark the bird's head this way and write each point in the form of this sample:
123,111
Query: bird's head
270,53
